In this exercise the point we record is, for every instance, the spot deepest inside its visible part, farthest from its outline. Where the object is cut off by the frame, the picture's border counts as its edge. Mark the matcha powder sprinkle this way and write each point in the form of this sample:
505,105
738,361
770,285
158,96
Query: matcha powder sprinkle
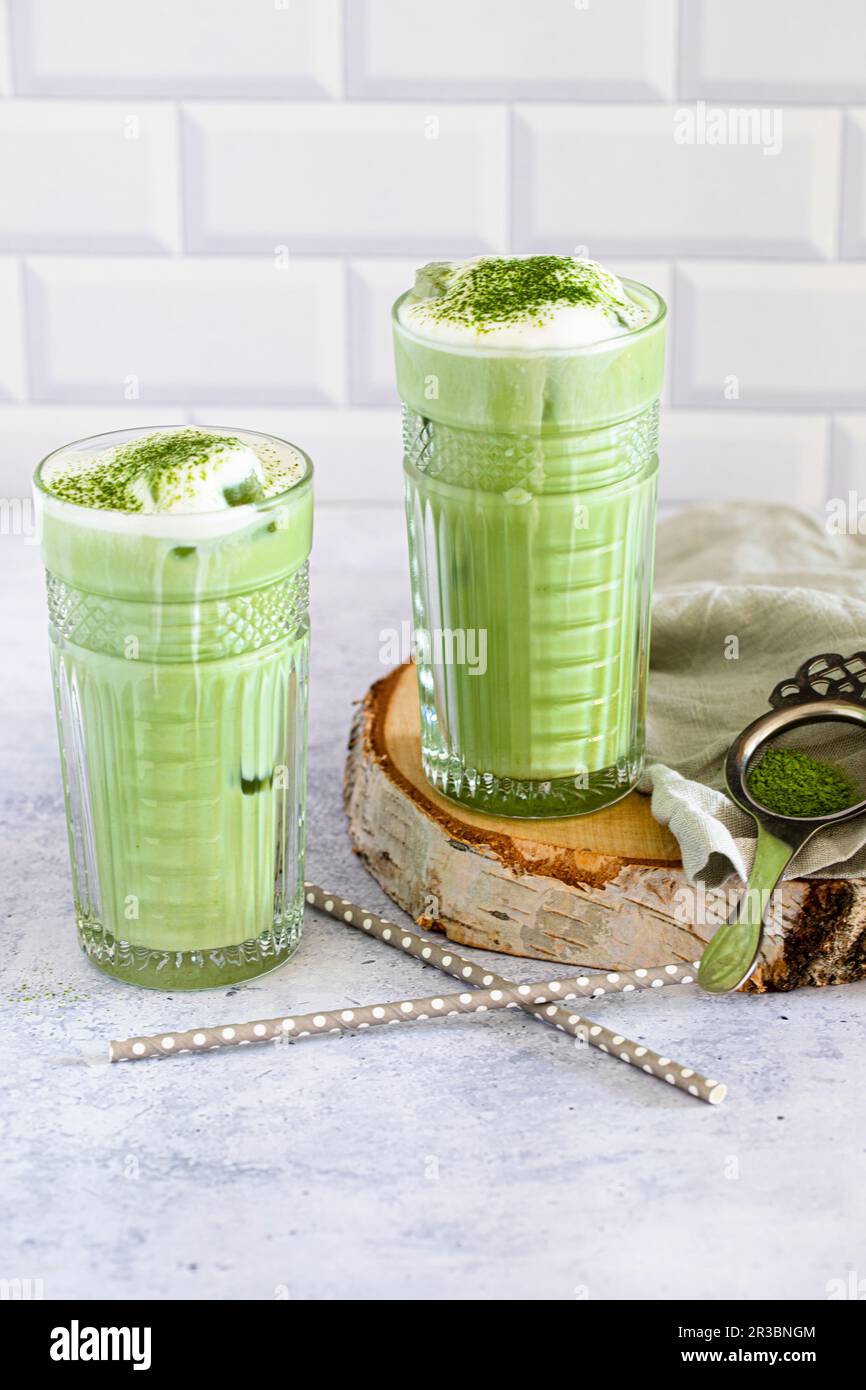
496,290
793,784
108,484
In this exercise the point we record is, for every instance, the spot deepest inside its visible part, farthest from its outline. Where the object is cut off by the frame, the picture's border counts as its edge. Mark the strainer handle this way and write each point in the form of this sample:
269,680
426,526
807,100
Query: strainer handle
730,957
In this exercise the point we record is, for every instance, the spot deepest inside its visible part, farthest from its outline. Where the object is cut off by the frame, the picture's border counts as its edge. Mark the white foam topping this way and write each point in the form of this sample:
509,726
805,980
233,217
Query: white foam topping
224,469
187,480
454,303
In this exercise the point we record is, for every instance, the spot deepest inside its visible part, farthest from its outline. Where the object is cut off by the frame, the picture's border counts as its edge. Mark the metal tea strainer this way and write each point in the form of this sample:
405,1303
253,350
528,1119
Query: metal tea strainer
820,711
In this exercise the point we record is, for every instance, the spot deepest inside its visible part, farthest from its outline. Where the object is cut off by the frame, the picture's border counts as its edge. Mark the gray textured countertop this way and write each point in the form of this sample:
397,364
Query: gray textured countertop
473,1158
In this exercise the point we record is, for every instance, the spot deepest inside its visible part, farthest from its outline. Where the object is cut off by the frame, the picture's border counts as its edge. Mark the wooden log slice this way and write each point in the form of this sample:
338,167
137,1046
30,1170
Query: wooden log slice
604,890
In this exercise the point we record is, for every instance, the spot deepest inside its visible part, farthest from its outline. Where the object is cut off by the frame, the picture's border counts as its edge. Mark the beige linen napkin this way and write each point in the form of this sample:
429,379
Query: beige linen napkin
744,594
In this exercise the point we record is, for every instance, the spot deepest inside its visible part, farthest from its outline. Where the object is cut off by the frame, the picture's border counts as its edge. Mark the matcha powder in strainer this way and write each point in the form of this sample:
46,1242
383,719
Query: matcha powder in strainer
793,784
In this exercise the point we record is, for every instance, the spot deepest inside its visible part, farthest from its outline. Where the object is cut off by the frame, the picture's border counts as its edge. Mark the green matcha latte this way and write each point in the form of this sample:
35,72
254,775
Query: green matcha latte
530,389
177,587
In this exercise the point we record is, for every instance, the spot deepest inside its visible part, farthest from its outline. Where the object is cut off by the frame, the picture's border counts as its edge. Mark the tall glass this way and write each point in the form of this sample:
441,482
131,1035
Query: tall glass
530,493
180,661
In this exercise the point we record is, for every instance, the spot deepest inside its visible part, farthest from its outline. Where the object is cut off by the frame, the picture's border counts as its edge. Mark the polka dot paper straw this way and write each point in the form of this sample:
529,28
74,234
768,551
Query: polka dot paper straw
372,1015
447,960
499,994
308,1025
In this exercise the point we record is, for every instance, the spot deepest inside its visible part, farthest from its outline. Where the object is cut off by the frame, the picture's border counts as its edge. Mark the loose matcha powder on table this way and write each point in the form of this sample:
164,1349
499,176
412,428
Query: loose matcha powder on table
493,291
793,784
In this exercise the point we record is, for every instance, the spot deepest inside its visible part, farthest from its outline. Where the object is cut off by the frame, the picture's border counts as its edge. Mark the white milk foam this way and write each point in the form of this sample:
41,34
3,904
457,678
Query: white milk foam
561,325
193,504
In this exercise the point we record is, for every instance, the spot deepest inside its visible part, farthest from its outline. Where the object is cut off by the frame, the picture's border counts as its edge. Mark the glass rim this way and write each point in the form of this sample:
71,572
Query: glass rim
497,350
170,518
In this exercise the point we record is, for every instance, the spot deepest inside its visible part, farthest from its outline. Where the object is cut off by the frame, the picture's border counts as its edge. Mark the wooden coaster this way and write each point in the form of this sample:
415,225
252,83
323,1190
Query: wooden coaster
605,890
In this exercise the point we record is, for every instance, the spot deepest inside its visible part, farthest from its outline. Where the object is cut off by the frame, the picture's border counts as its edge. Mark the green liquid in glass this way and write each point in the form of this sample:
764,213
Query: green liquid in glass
180,668
530,491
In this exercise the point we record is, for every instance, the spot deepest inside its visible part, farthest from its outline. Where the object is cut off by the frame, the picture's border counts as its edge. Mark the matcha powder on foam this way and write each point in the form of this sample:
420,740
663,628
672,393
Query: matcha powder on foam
493,292
157,458
177,470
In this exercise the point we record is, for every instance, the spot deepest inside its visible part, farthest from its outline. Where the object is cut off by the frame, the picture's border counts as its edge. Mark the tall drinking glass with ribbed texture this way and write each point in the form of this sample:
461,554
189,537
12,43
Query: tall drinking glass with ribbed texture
180,657
530,481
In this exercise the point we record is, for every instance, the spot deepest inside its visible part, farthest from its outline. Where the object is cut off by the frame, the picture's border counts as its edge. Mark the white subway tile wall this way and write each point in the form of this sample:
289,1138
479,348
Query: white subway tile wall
208,209
177,48
345,177
89,176
849,460
466,49
786,335
614,179
854,182
4,53
774,50
12,331
185,328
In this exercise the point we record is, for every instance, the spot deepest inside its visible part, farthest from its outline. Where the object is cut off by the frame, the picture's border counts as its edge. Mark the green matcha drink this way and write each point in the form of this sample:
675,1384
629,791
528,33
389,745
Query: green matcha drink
177,590
530,390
